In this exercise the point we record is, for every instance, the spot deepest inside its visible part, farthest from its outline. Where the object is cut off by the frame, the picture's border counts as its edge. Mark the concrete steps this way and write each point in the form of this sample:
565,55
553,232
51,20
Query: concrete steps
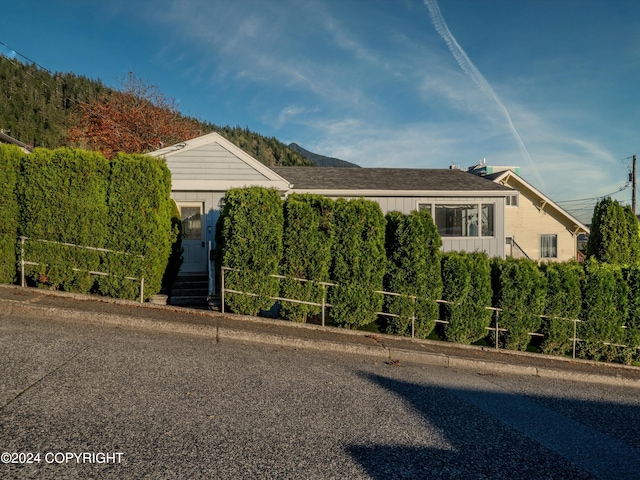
190,290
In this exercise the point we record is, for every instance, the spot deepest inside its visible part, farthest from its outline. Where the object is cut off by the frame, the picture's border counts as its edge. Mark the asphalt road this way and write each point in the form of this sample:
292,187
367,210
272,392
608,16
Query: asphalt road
92,401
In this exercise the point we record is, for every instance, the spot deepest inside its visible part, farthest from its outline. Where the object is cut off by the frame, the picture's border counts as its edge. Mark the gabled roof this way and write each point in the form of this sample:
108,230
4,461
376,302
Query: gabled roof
510,177
213,163
389,181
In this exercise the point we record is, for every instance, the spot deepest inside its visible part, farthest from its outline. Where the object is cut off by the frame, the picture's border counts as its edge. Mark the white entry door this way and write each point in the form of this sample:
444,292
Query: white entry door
193,237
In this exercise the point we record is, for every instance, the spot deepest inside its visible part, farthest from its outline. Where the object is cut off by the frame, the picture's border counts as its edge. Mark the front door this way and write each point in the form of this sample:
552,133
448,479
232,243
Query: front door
193,238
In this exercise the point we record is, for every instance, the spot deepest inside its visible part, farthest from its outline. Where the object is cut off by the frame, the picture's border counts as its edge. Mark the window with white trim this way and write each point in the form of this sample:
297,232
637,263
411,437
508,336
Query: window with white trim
511,201
549,246
462,220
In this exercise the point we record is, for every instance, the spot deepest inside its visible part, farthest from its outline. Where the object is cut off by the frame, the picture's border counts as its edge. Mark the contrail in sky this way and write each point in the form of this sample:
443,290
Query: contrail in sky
469,68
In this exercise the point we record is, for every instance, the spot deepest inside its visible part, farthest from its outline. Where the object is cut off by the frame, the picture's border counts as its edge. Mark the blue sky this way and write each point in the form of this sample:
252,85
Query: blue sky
548,85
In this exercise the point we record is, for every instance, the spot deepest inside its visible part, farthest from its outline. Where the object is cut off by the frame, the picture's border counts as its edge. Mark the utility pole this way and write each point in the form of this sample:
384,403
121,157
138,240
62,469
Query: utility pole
633,185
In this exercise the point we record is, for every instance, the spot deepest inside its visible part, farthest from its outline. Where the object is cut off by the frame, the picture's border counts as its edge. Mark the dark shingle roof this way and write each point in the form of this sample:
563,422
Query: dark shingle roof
420,179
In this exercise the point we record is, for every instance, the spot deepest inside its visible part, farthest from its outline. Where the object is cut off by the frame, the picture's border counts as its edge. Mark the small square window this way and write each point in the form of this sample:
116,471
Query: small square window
512,200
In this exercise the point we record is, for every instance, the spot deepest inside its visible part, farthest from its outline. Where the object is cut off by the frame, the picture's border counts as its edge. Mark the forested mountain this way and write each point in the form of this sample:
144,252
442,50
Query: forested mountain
52,110
321,160
36,106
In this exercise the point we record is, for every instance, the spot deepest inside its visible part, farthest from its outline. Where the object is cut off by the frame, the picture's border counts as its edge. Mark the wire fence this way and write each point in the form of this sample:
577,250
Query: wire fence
24,262
324,304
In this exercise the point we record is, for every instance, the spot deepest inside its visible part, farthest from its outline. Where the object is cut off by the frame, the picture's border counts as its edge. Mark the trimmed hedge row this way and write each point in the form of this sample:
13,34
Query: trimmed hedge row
78,197
351,244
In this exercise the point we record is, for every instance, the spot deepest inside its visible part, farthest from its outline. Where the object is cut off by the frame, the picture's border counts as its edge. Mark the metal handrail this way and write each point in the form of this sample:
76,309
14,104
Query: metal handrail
24,262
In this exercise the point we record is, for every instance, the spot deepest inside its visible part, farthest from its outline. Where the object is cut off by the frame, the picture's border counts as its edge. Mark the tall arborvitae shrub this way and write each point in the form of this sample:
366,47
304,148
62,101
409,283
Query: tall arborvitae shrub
604,311
413,268
307,240
62,196
80,198
249,240
563,305
10,157
359,262
632,351
139,223
466,281
519,291
614,236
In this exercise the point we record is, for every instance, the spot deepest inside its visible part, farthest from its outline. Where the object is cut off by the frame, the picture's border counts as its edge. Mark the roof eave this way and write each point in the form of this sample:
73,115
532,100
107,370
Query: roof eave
403,193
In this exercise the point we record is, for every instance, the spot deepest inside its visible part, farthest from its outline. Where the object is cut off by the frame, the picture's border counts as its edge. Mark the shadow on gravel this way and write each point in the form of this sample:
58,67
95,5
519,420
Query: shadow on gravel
490,435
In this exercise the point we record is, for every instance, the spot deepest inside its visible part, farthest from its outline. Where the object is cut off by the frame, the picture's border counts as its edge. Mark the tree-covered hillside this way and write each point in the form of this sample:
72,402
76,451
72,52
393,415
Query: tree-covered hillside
54,110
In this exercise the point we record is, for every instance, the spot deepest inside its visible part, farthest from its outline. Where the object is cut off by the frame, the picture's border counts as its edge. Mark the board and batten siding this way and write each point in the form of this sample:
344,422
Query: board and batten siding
494,246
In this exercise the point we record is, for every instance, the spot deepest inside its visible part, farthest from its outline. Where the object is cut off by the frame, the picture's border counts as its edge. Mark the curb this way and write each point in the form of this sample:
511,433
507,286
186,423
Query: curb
221,334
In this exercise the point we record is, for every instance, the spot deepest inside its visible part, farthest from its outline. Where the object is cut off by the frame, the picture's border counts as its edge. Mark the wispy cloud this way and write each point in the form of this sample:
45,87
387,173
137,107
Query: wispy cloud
470,69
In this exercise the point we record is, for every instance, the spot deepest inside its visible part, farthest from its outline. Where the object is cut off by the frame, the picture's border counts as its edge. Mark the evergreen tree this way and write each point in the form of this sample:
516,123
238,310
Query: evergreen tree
615,235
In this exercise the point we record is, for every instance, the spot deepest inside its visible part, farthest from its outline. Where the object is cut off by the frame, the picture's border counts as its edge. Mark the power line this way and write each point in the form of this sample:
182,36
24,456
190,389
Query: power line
594,198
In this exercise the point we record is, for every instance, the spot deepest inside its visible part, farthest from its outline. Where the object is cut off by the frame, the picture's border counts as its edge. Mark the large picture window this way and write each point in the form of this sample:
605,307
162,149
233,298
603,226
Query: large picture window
462,220
549,246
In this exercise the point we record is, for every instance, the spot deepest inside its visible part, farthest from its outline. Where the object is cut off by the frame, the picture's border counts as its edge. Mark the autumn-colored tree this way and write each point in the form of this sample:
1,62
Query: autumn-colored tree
138,118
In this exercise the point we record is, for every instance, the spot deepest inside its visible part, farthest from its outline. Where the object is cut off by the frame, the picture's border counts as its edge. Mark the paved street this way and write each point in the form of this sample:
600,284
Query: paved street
162,405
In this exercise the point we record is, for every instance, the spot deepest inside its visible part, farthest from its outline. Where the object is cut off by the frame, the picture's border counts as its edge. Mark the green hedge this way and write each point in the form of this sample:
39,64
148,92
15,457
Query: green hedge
307,241
358,262
564,302
78,197
63,198
139,223
249,239
413,268
519,290
605,309
10,158
466,281
632,352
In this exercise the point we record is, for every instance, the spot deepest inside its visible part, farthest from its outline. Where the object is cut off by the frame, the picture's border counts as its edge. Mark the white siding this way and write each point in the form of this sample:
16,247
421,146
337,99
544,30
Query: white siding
211,162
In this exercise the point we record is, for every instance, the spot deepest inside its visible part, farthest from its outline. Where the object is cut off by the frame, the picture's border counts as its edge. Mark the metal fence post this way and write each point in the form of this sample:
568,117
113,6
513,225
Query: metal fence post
575,334
413,317
142,290
324,290
497,327
22,239
221,289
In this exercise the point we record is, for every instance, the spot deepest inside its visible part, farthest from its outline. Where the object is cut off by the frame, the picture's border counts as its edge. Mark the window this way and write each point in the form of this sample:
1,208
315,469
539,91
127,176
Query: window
457,220
487,220
512,200
424,206
191,222
465,220
549,246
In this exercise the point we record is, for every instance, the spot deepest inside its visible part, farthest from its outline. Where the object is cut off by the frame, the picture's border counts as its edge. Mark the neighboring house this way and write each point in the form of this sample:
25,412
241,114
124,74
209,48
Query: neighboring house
468,210
536,227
